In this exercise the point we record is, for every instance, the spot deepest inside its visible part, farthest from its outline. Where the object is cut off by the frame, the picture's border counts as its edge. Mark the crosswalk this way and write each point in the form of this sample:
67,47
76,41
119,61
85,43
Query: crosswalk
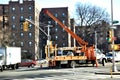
82,73
73,76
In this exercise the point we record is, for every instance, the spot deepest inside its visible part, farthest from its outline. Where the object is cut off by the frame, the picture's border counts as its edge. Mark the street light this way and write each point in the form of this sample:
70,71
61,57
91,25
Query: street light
48,41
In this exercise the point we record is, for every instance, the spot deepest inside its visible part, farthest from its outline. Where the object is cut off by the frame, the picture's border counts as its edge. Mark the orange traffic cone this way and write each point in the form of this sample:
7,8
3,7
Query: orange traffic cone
40,65
96,63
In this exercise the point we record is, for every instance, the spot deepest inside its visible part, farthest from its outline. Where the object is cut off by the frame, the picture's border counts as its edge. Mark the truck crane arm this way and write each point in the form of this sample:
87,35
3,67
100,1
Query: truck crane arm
78,39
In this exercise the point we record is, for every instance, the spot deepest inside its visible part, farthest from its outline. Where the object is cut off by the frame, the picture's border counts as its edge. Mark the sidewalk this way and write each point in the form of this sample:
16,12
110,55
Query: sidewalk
109,72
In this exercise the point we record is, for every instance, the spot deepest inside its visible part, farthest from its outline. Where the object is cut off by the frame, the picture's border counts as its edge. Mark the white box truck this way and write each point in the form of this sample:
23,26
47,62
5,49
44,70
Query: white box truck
10,57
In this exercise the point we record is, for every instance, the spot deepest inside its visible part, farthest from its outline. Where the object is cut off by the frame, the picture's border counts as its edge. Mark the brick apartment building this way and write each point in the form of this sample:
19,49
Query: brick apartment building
58,35
33,41
17,12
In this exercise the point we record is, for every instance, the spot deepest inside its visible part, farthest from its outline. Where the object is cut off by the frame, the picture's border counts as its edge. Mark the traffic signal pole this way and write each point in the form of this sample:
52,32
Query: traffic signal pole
37,26
114,67
47,34
48,41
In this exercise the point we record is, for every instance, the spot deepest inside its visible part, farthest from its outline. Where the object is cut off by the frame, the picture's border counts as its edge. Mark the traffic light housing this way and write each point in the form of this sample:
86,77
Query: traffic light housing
25,26
109,36
115,47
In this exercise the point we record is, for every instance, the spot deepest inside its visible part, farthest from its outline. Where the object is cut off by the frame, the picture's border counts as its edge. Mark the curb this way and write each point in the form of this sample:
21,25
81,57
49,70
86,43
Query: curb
108,73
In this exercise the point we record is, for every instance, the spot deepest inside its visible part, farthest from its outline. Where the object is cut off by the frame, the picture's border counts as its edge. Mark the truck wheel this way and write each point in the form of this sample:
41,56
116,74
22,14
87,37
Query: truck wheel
13,67
72,64
17,66
1,69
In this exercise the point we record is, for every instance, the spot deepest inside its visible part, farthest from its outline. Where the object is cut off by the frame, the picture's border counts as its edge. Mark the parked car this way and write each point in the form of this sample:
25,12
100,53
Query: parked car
109,56
41,61
101,58
27,63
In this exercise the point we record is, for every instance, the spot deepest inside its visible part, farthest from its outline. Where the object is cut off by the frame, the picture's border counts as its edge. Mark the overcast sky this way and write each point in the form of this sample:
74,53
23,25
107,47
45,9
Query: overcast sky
105,4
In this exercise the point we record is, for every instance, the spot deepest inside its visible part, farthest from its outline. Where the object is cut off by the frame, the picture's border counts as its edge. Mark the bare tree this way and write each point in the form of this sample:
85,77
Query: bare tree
5,37
89,15
90,19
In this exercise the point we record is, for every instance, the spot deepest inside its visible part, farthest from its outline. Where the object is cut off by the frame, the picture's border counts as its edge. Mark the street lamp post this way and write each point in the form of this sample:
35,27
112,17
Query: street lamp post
48,41
114,68
95,41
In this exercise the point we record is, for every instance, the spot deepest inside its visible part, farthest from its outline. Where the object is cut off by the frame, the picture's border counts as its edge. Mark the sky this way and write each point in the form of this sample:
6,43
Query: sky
105,4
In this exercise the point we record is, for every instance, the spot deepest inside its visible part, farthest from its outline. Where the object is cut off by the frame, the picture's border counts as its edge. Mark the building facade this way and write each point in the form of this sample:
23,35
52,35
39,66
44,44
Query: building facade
17,12
58,35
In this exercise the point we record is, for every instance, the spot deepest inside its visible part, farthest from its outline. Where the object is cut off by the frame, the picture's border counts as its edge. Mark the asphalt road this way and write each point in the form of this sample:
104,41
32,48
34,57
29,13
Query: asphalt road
79,73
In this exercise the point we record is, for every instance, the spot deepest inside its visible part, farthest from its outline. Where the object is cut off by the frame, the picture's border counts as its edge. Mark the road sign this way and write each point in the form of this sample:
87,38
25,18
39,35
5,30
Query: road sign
114,22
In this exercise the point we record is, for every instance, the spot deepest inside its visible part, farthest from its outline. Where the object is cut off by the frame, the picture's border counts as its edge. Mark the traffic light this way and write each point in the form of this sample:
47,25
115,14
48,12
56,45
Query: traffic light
25,26
115,47
109,36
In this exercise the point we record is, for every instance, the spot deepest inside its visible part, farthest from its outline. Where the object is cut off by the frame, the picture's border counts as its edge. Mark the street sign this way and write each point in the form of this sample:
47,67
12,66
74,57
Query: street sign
114,22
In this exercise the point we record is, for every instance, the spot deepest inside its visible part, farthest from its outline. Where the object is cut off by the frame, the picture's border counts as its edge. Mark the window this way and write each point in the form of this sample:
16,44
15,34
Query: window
13,18
21,9
13,34
30,26
30,43
63,44
56,23
63,37
21,18
21,44
21,34
63,14
56,15
13,26
63,21
13,43
63,30
13,9
30,35
30,17
56,29
49,22
30,9
56,37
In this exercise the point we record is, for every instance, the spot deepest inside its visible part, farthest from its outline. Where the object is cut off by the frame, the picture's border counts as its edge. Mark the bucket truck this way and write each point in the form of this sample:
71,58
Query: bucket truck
71,56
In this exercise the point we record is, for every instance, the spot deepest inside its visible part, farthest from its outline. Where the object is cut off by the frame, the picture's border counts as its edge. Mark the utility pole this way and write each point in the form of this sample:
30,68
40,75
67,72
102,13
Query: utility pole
74,38
114,68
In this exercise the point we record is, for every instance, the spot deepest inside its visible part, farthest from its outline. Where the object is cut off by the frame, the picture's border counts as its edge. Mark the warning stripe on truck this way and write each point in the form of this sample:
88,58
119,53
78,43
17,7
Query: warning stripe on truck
58,58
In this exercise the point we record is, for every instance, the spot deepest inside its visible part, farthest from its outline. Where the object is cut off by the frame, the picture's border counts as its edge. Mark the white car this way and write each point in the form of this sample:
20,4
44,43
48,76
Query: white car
101,58
41,61
109,56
